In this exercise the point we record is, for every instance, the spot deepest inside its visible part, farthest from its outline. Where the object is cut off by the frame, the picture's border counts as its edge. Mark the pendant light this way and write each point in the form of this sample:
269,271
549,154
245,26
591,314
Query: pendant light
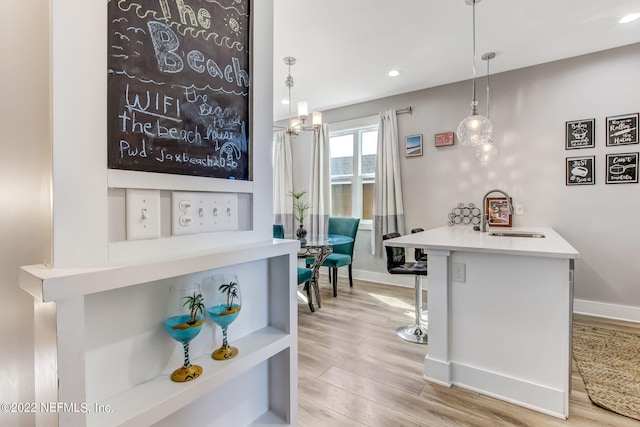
475,129
487,151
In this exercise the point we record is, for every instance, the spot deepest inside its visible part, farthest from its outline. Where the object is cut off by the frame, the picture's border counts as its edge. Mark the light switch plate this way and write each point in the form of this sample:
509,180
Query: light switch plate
142,214
203,212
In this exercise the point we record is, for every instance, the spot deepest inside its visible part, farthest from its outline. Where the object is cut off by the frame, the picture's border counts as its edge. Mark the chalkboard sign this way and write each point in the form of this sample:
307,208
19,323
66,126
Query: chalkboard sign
178,87
580,134
622,168
622,130
580,170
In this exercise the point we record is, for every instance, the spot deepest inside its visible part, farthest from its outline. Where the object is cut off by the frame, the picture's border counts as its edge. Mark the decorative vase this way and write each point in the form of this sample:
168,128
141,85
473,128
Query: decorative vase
185,317
301,233
223,306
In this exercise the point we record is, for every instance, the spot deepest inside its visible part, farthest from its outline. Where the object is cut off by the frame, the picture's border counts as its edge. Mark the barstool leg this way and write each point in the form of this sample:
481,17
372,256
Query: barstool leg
415,333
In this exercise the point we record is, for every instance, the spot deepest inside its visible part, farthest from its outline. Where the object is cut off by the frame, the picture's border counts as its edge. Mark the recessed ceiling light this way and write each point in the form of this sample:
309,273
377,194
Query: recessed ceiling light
285,102
629,18
393,73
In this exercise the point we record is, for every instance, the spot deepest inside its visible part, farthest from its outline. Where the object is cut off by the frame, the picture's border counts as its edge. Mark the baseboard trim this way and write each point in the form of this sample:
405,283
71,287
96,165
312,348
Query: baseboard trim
606,310
437,371
538,397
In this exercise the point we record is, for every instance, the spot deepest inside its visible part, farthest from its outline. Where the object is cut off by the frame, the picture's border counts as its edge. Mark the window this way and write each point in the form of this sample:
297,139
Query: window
352,149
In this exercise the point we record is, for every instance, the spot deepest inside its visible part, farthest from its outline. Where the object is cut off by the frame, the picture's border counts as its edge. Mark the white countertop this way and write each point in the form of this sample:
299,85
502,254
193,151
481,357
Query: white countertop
466,239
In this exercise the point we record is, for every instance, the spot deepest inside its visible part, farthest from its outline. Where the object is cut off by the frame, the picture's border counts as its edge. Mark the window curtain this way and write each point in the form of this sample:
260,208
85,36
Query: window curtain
388,209
283,182
319,184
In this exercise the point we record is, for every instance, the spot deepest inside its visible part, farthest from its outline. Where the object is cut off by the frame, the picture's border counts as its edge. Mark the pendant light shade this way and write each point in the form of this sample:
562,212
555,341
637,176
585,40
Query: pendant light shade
475,129
487,152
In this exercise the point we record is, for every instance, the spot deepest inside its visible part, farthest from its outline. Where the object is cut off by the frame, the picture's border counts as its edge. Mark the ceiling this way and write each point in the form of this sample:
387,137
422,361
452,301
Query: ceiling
345,48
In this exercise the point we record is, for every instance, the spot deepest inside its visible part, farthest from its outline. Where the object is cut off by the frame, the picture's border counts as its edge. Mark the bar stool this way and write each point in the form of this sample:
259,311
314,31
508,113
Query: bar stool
419,254
416,333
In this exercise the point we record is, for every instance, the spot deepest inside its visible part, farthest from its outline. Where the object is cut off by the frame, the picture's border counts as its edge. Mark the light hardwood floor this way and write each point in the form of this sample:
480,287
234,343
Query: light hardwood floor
355,371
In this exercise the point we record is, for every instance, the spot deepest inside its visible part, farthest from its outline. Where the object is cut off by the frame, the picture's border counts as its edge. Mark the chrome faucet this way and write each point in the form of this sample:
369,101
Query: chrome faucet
484,207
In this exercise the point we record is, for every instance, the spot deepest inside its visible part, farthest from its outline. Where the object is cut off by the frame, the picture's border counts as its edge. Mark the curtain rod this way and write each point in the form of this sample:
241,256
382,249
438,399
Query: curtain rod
348,123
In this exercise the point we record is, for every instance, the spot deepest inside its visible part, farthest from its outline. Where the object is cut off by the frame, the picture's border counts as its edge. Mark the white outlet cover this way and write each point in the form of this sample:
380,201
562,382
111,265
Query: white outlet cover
142,214
459,272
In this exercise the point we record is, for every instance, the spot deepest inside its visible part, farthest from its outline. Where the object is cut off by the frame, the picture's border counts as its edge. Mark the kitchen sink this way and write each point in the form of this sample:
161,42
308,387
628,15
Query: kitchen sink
532,234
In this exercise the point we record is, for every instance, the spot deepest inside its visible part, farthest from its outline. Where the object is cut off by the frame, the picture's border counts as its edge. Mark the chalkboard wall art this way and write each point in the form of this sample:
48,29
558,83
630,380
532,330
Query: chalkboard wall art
580,134
580,170
622,130
622,168
178,87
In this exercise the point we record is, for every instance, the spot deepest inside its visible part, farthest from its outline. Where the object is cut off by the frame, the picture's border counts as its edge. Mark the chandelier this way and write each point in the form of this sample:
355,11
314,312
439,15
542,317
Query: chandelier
297,124
475,129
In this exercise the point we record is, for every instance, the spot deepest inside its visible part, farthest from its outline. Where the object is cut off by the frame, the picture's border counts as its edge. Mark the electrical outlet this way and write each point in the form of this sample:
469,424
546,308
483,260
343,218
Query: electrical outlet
142,214
459,272
519,208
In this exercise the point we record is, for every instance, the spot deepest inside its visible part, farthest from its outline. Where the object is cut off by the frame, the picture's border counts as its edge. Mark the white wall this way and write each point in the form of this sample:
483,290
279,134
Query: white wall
53,171
25,171
529,108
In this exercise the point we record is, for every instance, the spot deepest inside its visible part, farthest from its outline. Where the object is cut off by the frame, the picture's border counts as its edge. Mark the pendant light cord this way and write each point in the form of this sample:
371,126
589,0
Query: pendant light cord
474,101
488,60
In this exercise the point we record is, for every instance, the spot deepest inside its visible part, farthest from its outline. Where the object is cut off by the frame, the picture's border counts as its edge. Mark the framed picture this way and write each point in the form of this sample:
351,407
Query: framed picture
622,130
413,145
622,168
444,139
498,212
580,170
580,134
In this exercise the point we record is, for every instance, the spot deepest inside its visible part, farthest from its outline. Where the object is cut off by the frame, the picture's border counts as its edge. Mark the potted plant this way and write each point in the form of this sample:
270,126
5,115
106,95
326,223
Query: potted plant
300,209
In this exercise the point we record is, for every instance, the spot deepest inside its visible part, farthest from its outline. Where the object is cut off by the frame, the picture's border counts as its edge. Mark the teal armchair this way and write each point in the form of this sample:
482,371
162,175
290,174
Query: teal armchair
278,231
305,275
342,255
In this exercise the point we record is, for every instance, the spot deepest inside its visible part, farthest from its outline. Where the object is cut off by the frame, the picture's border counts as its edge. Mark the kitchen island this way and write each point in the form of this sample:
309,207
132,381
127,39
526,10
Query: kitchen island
499,310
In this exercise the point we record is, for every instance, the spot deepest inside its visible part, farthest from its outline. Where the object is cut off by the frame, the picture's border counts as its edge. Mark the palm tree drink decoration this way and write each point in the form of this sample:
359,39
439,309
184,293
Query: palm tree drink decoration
225,306
186,317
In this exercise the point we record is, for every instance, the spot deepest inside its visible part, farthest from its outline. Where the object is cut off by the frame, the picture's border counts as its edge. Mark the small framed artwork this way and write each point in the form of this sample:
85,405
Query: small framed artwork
580,170
622,168
580,134
498,212
622,130
443,139
413,145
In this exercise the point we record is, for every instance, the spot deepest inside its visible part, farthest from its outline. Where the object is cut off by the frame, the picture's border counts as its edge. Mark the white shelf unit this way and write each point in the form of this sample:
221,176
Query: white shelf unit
79,350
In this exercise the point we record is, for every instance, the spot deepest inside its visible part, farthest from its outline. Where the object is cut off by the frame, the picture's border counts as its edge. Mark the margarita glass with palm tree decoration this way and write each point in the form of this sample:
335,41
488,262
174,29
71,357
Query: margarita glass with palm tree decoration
223,305
184,322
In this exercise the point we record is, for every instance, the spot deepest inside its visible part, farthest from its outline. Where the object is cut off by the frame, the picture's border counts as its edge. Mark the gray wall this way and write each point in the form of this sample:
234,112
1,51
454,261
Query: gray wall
529,108
25,168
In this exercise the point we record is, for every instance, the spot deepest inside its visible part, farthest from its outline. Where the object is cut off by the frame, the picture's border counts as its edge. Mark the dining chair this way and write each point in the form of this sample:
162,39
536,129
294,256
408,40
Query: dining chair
305,275
342,255
278,231
419,254
396,264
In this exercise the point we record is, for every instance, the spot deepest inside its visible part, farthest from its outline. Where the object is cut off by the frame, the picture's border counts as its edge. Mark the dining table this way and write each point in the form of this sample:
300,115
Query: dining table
318,248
